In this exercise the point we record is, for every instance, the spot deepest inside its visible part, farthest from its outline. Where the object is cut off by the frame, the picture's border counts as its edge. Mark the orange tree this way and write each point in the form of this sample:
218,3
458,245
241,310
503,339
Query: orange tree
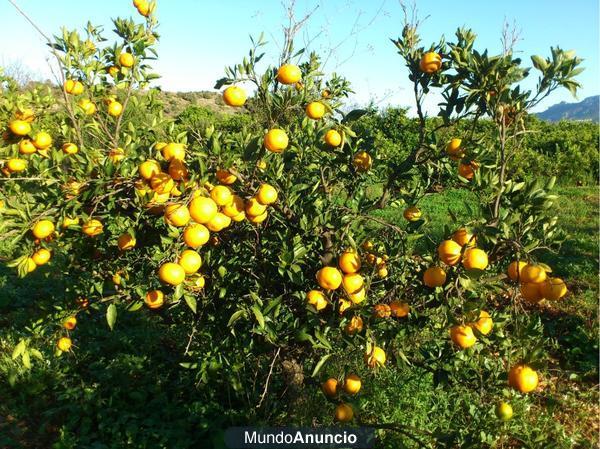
263,248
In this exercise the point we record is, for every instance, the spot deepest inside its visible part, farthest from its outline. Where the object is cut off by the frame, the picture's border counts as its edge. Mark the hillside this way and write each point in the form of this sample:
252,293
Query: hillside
587,109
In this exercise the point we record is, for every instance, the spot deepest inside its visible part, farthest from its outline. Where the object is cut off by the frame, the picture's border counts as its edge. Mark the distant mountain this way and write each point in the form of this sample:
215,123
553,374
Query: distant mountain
587,109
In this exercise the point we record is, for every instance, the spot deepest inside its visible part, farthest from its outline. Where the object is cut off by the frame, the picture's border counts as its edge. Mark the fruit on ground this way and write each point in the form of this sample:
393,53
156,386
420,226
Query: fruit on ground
42,229
514,269
362,161
126,59
316,299
376,357
266,194
276,140
333,138
412,213
434,277
430,62
174,150
19,127
315,110
64,344
485,323
329,278
329,387
475,259
190,261
41,256
225,177
352,282
523,378
533,274
177,215
553,289
399,309
464,237
234,96
126,242
148,169
154,299
355,325
171,273
70,323
352,384
344,413
289,74
349,262
462,336
531,292
504,411
196,235
449,252
203,209
221,195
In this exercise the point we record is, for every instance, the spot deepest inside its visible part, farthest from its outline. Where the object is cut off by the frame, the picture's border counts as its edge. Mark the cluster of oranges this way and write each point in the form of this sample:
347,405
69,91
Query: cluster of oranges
332,388
64,343
535,284
457,153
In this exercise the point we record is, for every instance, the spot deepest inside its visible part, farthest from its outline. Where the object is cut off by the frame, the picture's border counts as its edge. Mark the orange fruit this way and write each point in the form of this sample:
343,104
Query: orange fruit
113,71
196,235
329,387
254,207
485,323
87,106
382,311
92,227
354,326
344,413
376,357
343,305
27,115
261,165
534,274
162,183
289,74
362,161
42,229
42,140
329,278
177,215
70,148
504,411
19,127
266,194
26,147
514,269
553,289
464,237
41,256
225,177
126,59
68,222
349,262
454,147
73,87
219,222
352,282
171,273
115,109
154,299
358,296
434,277
523,378
449,252
242,215
64,344
430,62
31,265
235,208
16,165
276,140
221,195
333,138
234,96
531,292
463,336
143,7
399,309
315,110
148,169
352,384
70,323
475,259
126,242
412,213
190,261
177,170
116,155
467,170
317,299
203,209
174,151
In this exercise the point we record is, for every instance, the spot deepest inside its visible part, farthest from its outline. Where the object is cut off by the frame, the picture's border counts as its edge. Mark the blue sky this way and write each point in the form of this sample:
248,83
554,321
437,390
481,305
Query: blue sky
200,37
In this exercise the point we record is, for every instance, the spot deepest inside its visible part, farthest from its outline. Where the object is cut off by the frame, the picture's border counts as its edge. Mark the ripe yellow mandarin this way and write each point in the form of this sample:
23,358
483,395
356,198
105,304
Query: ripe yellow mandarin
154,299
553,289
143,7
41,256
70,148
315,110
115,109
242,216
449,252
412,213
454,147
382,271
177,215
171,273
333,138
64,344
26,146
73,87
531,292
430,62
149,168
203,209
515,268
177,170
523,378
464,237
225,177
70,323
329,387
504,411
352,282
349,262
257,218
261,165
234,96
362,161
463,336
92,228
174,151
329,278
68,222
116,155
376,357
190,261
87,106
113,71
399,309
357,297
31,265
222,195
534,274
266,195
485,323
343,305
162,183
344,413
126,59
352,384
316,299
219,222
355,325
289,74
254,207
196,235
475,259
16,165
276,140
235,208
43,229
19,127
42,140
434,277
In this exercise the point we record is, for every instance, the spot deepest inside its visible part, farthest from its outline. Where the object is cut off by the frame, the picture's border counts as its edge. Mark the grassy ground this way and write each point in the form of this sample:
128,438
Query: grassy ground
134,392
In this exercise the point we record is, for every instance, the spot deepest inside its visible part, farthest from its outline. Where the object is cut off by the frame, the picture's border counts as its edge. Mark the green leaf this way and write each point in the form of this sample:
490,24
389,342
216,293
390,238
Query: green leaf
18,349
191,302
259,316
320,364
111,316
235,316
